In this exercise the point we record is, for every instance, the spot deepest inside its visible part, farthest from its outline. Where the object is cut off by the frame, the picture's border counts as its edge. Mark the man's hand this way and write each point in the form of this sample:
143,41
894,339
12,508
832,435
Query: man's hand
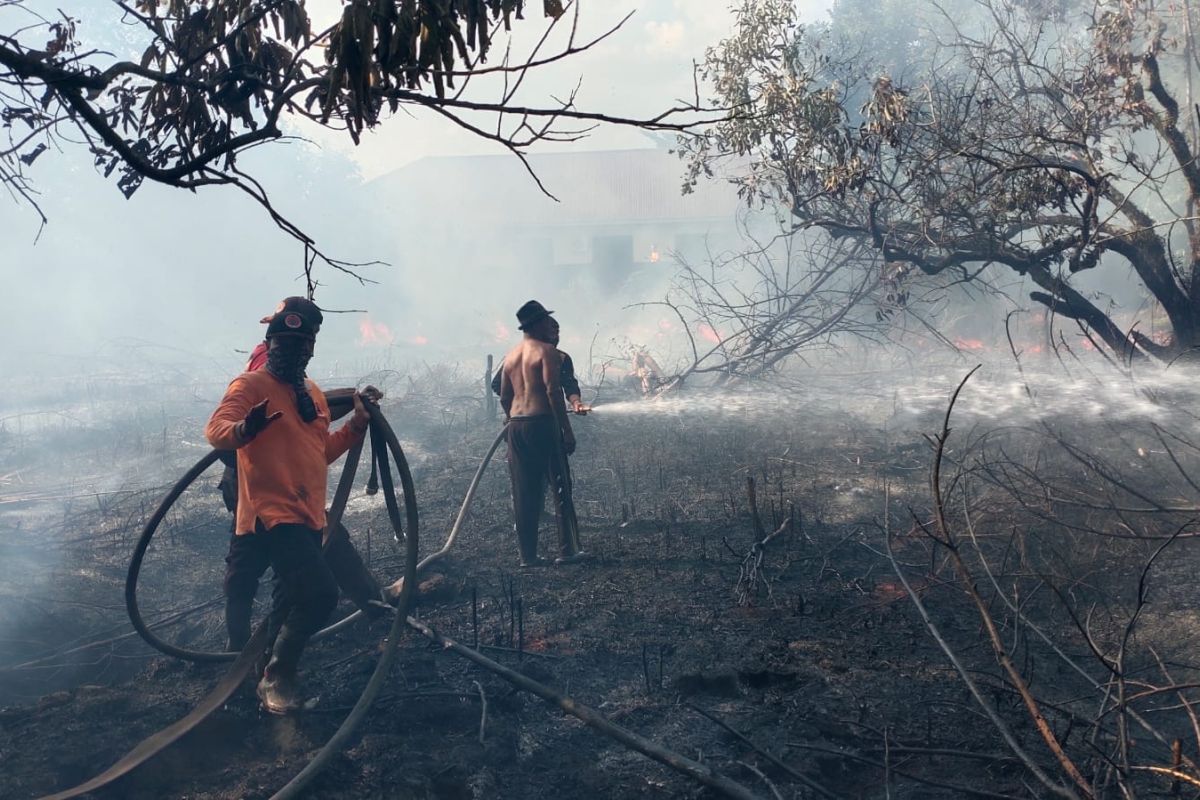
568,442
578,407
371,394
362,418
256,421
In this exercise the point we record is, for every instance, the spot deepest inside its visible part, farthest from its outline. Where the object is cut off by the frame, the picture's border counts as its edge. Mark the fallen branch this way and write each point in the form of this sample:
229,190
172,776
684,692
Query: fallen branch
1173,773
946,539
991,713
966,790
801,777
594,719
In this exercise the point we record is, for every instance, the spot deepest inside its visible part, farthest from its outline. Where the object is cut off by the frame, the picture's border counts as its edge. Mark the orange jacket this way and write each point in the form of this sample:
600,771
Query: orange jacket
282,472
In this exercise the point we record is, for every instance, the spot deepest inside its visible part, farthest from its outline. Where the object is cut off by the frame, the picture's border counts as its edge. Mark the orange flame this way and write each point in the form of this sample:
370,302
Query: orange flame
374,334
969,344
707,333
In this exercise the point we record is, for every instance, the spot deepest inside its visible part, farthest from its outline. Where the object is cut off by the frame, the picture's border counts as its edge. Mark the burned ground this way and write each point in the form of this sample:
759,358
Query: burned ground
824,662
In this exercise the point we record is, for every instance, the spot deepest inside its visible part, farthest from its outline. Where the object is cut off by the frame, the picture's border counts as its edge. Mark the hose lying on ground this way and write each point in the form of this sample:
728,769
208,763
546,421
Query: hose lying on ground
244,662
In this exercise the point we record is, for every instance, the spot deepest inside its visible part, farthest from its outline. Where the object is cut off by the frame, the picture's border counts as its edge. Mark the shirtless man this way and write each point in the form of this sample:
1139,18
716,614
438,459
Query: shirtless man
539,432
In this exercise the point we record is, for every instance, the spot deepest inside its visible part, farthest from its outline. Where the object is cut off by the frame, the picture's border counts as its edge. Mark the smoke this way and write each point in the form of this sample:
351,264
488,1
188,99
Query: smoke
914,400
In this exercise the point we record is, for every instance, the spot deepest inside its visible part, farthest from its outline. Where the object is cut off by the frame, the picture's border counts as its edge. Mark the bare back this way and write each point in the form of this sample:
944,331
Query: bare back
530,379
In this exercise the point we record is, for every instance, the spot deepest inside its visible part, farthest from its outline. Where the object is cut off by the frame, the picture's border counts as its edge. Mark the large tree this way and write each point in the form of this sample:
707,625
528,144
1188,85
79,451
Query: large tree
1039,137
218,77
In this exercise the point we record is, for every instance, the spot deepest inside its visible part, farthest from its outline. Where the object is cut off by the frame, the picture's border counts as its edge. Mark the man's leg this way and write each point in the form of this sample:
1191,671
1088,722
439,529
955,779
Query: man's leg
248,558
527,471
305,594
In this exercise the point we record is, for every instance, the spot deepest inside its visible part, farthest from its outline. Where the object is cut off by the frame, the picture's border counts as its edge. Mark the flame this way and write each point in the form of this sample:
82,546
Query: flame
420,340
500,332
968,344
654,256
707,332
374,334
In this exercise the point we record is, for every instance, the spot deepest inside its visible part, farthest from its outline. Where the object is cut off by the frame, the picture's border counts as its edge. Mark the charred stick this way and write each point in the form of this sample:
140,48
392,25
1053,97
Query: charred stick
762,777
512,611
520,629
482,696
965,790
501,649
963,673
945,537
1171,773
646,668
755,519
595,720
799,776
475,616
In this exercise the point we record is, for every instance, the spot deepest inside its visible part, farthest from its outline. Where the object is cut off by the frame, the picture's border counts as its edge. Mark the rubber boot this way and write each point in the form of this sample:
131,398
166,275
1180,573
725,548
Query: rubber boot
277,690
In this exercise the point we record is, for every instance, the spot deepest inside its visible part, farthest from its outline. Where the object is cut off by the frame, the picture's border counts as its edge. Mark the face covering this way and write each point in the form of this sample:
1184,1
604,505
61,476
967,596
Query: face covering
287,361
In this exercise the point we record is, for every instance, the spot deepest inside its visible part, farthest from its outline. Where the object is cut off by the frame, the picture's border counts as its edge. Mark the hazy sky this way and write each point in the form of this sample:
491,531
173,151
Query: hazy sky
195,271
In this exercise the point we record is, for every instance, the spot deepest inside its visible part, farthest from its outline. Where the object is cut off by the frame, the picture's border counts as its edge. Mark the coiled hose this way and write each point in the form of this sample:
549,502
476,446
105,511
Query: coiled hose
383,440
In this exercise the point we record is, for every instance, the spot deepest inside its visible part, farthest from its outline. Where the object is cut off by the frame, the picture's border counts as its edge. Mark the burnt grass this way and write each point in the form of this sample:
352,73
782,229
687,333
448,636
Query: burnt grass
826,666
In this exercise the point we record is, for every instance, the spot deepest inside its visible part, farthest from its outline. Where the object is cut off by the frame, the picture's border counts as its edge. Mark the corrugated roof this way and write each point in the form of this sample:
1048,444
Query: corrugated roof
594,187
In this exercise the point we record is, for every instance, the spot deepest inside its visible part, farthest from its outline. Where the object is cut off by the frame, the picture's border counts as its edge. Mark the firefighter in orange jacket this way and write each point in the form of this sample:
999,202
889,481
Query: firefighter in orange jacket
278,421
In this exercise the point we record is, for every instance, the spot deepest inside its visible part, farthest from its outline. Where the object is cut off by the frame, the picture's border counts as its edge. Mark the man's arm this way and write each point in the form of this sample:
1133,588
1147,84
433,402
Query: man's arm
349,434
223,430
551,376
506,392
343,408
570,384
496,378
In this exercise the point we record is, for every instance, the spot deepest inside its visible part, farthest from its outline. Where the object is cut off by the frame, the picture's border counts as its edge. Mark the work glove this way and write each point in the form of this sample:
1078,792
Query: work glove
362,418
256,421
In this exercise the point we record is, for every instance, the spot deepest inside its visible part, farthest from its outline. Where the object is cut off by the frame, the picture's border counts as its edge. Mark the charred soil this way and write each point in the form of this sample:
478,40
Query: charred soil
820,661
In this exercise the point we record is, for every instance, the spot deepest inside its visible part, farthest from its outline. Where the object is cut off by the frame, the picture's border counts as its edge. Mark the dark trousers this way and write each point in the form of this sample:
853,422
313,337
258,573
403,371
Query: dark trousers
535,456
251,554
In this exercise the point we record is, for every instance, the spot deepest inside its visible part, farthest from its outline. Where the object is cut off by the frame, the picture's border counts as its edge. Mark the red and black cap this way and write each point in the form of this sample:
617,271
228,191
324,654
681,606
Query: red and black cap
295,316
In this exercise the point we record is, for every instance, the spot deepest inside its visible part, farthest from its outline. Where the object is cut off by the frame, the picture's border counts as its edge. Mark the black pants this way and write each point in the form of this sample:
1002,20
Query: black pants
251,554
535,456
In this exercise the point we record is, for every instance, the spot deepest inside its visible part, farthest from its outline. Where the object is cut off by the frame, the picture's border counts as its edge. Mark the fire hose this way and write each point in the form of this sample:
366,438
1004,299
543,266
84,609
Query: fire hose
383,439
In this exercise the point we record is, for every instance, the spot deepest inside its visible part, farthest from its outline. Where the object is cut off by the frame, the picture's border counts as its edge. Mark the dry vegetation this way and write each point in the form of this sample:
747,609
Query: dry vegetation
1052,650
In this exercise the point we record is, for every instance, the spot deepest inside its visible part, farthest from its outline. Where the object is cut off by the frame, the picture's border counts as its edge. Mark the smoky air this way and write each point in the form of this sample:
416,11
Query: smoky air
485,399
